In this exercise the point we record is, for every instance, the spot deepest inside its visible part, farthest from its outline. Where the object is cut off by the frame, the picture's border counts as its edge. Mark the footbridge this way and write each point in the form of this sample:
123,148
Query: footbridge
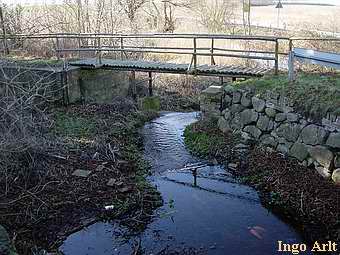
219,55
195,54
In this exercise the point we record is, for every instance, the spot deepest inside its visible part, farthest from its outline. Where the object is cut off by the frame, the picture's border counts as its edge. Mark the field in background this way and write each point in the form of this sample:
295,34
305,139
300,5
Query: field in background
292,17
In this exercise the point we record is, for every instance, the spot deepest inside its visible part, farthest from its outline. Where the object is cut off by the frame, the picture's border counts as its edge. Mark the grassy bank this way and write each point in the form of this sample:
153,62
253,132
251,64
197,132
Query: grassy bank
103,140
313,94
293,191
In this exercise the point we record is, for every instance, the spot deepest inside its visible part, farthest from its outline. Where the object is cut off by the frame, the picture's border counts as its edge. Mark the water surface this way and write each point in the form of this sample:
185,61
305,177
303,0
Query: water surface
209,214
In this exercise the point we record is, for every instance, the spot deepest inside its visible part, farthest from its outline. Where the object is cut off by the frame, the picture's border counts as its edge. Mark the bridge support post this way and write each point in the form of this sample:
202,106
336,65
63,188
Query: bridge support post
276,57
150,84
132,81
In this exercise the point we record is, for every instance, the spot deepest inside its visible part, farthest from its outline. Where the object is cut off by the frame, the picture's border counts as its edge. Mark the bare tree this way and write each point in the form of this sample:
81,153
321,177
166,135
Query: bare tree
169,7
246,16
131,7
24,97
218,16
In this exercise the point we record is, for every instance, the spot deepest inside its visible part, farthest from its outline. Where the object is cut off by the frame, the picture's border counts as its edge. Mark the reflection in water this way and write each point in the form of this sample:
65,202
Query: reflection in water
205,211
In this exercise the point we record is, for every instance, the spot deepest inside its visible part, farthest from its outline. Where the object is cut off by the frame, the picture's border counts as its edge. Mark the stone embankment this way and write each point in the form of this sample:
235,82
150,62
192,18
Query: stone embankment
271,121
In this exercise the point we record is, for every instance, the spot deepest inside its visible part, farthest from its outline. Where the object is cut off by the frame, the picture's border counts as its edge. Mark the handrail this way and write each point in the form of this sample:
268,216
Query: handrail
314,39
166,52
98,45
146,35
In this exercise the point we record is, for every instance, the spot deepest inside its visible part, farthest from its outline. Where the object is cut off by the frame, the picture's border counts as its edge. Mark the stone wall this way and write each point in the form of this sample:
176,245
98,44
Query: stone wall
101,86
90,86
270,120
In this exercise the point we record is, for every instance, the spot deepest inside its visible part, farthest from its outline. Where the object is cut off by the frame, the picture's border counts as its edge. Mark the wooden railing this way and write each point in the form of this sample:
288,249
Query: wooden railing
118,43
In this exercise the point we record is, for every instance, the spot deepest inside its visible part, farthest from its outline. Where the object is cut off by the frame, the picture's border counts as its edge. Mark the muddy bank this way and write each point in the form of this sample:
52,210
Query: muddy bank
297,193
93,160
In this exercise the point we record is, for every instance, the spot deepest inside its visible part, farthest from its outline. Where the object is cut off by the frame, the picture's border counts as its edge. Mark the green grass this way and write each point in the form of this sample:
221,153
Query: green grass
200,142
151,103
69,125
312,93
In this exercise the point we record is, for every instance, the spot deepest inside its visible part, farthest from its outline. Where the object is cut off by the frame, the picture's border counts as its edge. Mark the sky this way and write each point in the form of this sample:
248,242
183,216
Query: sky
34,2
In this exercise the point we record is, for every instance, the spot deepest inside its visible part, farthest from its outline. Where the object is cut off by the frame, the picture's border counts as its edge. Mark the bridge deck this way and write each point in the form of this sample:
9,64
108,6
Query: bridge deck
162,67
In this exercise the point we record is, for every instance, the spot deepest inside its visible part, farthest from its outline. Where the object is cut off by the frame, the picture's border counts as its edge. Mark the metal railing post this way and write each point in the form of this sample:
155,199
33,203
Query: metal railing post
194,54
276,57
99,52
290,45
212,60
121,47
79,46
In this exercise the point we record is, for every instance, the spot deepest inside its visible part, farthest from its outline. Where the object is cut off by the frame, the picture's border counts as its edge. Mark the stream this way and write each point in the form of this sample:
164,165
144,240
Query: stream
209,213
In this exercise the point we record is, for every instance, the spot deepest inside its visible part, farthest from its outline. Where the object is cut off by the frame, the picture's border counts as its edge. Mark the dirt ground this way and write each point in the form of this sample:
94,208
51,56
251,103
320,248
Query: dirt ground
46,204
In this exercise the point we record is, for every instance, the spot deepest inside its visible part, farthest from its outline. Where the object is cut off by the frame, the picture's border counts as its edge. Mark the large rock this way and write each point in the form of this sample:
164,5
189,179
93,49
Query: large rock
268,140
271,125
282,140
299,151
246,100
324,172
236,122
334,140
313,135
227,114
283,148
6,247
223,125
337,161
236,108
336,176
280,117
258,104
236,97
289,131
245,137
213,91
248,116
227,100
263,123
270,112
229,89
253,131
292,117
322,155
